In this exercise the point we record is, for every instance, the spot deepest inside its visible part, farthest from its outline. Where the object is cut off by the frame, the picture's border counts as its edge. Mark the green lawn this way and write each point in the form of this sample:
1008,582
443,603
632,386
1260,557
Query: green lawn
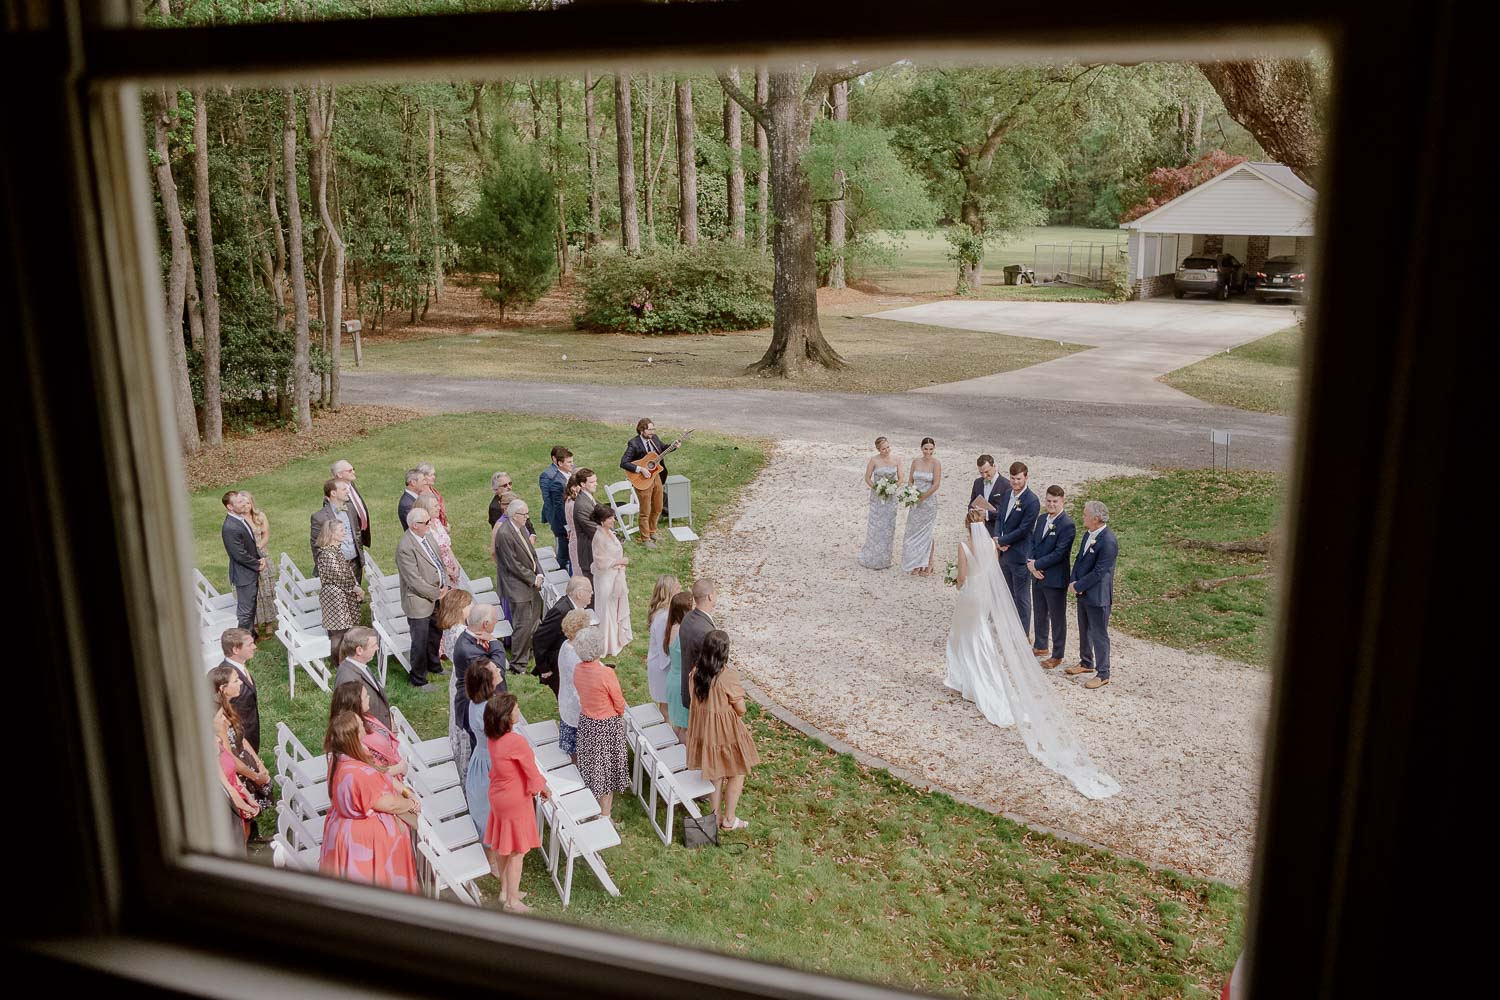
1154,597
845,870
1259,376
922,263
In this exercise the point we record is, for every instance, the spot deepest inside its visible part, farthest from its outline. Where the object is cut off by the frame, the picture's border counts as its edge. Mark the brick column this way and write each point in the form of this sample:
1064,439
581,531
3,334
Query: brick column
1213,245
1256,254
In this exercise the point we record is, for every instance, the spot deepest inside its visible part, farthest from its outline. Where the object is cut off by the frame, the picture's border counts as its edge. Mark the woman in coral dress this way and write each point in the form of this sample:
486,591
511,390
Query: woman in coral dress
611,595
514,778
364,838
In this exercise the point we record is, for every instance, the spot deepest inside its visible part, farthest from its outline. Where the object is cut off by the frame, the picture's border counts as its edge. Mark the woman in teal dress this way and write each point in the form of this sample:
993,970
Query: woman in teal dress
479,683
677,610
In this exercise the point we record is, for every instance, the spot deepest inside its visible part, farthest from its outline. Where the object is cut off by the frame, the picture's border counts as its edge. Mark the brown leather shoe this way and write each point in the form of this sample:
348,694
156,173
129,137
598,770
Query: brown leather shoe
1040,652
1078,668
1097,682
1052,663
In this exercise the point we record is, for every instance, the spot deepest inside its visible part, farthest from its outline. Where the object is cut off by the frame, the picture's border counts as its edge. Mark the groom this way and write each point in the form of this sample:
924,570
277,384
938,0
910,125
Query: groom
1013,525
1094,583
1051,545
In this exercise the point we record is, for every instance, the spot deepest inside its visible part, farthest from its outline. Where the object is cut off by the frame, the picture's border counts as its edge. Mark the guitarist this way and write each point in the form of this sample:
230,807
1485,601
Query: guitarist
646,443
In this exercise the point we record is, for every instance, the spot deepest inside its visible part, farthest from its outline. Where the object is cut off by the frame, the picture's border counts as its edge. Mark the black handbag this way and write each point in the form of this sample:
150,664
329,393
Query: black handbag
700,832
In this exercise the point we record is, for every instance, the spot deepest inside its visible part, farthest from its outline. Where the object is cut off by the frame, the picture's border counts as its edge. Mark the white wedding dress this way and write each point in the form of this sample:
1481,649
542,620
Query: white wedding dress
991,664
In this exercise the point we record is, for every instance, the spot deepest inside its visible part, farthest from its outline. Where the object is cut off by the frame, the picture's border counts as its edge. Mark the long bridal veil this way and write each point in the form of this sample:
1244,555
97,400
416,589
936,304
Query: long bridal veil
1044,725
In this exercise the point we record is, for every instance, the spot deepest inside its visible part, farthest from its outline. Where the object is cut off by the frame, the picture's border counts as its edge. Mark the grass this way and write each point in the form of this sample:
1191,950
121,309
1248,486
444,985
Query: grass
1259,376
1154,597
885,356
923,265
847,871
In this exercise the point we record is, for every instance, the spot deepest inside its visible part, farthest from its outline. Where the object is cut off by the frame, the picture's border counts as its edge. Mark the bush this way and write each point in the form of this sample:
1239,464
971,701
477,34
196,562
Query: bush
511,233
676,289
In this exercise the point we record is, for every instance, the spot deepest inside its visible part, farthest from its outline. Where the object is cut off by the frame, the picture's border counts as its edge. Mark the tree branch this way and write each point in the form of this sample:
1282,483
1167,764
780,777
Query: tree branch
752,108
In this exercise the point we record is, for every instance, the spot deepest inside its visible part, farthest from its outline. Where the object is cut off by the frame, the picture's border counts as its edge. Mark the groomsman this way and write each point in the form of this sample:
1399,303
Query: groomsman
583,523
245,563
1017,516
1094,583
553,482
1051,547
987,486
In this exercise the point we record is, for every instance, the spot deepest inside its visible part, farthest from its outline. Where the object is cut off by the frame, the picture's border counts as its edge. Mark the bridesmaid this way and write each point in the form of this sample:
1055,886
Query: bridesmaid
880,535
677,609
363,838
921,520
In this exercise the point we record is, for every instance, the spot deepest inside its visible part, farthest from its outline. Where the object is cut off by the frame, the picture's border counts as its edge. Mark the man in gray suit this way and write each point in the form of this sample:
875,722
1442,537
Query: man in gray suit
245,563
583,522
518,574
362,644
697,624
422,587
336,506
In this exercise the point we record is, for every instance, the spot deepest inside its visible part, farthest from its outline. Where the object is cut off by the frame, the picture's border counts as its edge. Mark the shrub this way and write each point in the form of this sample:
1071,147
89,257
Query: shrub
511,233
676,289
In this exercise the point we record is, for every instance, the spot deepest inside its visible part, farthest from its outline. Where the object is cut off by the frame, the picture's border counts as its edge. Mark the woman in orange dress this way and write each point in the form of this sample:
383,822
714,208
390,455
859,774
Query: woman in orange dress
514,778
718,742
363,838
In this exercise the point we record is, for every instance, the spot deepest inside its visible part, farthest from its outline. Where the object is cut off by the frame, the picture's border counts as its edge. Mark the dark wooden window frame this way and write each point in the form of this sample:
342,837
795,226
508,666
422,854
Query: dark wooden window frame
1355,724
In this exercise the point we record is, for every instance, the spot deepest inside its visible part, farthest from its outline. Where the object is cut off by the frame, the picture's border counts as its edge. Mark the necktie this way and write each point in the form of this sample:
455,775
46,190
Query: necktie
486,644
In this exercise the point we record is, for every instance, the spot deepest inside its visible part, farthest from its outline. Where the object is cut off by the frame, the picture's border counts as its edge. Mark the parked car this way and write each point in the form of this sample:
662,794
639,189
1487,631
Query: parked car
1280,278
1219,276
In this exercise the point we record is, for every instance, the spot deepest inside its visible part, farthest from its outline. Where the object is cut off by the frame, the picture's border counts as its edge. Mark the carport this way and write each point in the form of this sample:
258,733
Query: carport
1252,210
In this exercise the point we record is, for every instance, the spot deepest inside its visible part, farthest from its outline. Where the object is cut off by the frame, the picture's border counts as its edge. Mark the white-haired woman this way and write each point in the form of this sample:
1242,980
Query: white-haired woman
602,753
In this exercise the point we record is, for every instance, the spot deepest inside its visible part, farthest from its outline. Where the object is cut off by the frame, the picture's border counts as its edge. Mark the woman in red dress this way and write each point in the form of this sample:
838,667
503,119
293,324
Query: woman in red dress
514,779
363,838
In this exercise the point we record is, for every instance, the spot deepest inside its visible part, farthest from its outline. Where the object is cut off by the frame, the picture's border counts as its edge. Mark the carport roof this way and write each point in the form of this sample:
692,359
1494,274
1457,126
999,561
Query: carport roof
1251,199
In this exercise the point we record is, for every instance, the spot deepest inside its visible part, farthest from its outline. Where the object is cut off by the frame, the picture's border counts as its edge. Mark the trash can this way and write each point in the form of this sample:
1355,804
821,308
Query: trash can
1013,274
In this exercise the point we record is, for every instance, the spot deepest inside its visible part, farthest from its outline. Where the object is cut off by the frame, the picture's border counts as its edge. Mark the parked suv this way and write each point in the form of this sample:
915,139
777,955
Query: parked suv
1218,276
1280,278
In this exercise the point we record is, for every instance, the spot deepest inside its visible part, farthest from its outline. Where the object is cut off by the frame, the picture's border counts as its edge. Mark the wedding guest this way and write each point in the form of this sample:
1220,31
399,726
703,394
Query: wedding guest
344,472
583,523
254,779
511,829
603,756
985,489
718,742
611,594
483,681
265,587
658,660
475,646
422,586
567,700
415,487
500,482
452,617
1051,549
880,528
241,802
361,643
364,840
1094,584
553,482
1013,527
695,625
246,564
519,579
385,749
438,537
677,711
340,593
239,645
920,543
549,631
429,488
336,507
650,498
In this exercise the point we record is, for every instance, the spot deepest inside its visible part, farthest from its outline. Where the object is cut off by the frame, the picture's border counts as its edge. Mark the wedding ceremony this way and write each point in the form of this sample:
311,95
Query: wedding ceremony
841,513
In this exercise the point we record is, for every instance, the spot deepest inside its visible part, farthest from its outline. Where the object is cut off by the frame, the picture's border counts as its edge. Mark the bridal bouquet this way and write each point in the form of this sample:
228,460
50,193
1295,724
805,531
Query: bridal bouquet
886,489
950,575
909,495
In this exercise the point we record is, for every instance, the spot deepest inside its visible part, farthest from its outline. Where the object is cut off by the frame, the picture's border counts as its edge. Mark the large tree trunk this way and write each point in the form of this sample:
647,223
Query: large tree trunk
432,204
687,166
591,144
277,287
735,180
320,116
838,99
301,375
213,407
763,176
1276,100
630,228
557,180
971,275
177,276
648,179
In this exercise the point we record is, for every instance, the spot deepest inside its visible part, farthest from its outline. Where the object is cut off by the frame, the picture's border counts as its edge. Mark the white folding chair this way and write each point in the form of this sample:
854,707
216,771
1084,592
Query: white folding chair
541,733
625,513
670,784
305,651
573,840
297,784
431,752
209,597
313,765
457,870
303,585
437,805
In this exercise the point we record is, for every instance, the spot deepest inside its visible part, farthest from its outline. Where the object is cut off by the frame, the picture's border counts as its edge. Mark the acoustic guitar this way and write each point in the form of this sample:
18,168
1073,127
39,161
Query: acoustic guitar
651,462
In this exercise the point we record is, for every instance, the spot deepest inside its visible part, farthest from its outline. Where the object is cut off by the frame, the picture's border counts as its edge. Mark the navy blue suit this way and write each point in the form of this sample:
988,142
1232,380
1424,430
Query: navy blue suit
244,568
403,507
997,497
1051,549
553,482
1094,581
1015,531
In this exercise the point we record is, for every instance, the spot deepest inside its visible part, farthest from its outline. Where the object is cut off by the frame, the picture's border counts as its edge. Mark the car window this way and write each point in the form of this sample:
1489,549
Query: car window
1199,262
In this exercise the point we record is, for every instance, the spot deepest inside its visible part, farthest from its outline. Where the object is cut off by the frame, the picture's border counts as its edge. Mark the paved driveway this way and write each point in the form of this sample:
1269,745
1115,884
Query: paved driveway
1132,343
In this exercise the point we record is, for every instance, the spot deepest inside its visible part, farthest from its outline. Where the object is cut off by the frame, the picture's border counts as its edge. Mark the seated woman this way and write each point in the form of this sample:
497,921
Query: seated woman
249,776
511,829
364,838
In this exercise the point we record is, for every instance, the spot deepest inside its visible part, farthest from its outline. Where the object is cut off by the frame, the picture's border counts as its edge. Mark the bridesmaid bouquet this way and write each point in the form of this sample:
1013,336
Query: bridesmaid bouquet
886,489
909,495
950,575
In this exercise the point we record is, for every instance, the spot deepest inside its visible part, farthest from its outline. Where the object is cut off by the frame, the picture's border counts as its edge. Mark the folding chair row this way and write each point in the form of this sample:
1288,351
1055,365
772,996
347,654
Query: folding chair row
570,822
626,511
306,650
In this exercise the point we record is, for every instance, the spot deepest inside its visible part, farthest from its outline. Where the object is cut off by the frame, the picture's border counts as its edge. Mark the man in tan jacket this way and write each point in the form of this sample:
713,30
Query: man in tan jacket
518,575
422,587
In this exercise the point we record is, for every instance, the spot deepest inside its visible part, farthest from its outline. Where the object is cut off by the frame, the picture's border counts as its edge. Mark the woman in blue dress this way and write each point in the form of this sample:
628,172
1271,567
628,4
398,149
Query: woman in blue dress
677,610
479,683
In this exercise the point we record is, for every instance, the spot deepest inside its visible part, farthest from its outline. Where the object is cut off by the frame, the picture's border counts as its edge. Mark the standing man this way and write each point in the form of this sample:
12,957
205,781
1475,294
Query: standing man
1094,583
362,644
239,645
650,498
519,577
548,639
583,522
414,488
553,481
695,625
985,487
422,587
1051,545
336,507
344,472
474,644
245,563
1013,529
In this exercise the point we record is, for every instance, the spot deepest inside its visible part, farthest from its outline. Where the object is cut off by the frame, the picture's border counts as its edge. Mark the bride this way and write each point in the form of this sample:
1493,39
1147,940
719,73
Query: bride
995,669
